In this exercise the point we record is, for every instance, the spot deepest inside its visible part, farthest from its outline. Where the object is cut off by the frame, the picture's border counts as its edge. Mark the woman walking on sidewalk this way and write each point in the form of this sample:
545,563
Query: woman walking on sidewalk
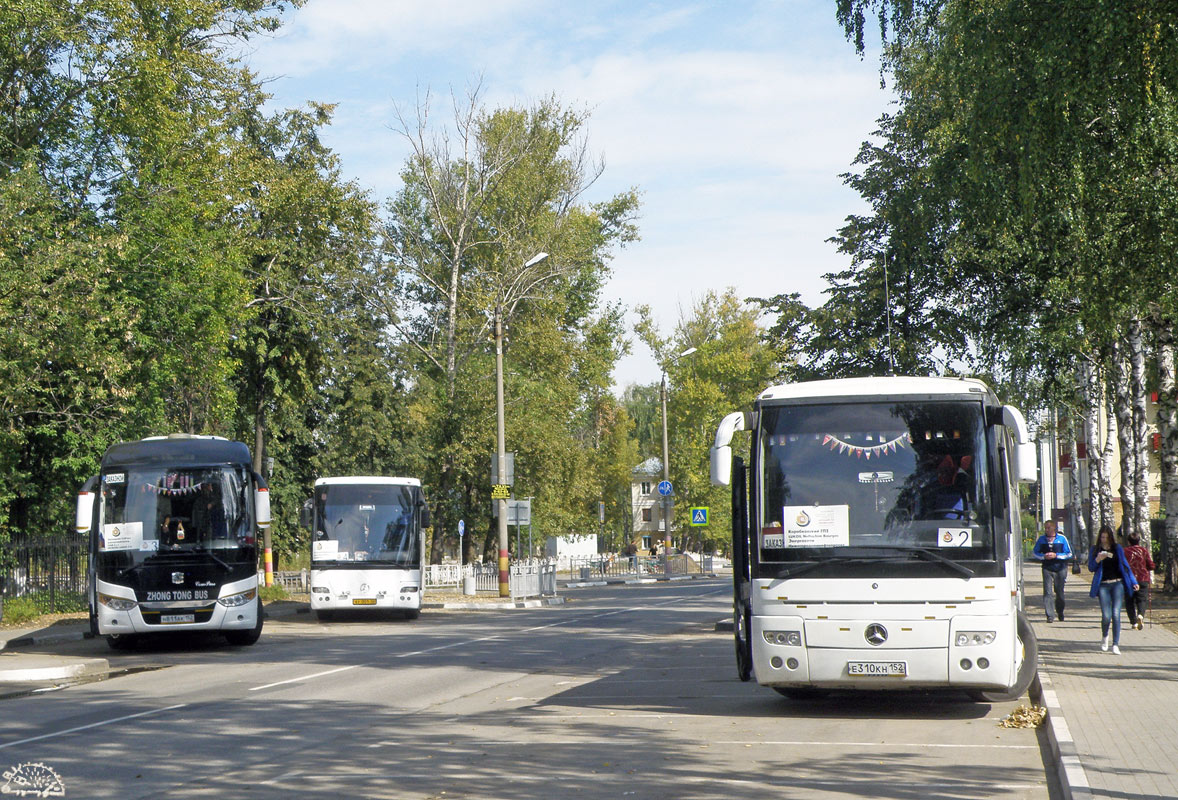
1141,562
1112,580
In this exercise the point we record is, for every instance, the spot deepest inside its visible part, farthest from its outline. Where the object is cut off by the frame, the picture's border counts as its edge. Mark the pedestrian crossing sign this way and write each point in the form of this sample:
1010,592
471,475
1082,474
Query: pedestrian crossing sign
699,515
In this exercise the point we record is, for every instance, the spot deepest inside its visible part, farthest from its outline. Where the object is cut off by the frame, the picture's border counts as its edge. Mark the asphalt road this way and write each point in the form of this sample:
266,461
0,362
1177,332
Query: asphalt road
623,692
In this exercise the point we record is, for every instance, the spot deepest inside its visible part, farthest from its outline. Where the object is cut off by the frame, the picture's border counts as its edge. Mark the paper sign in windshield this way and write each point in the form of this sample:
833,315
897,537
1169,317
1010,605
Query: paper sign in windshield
324,550
954,537
121,536
816,526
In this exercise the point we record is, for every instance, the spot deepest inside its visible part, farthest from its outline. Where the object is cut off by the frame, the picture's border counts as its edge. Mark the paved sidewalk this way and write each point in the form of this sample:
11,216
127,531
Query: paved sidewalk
1112,718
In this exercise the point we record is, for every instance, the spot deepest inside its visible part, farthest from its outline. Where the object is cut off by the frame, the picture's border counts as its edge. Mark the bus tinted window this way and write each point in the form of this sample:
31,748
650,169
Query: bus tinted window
873,475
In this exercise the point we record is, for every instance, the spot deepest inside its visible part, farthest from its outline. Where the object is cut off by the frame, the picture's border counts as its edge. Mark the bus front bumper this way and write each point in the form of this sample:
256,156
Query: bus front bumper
794,652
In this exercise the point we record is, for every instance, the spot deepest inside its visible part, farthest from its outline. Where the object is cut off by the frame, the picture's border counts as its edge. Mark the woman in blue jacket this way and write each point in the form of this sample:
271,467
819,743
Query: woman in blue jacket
1112,581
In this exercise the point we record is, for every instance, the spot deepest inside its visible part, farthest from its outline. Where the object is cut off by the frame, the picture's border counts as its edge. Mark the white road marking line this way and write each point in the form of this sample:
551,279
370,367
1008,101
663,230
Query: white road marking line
306,677
91,725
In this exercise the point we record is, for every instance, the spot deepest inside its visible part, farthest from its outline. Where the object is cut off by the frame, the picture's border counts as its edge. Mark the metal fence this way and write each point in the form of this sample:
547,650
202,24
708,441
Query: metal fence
531,578
48,574
609,566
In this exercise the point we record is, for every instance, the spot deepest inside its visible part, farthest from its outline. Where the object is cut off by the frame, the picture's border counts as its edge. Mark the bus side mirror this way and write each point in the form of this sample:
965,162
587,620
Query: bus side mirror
305,515
721,466
425,520
1026,463
722,449
1025,467
262,501
85,514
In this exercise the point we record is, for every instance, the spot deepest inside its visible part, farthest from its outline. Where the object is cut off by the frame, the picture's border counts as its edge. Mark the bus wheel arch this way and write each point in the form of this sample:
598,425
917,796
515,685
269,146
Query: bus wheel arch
1027,670
247,637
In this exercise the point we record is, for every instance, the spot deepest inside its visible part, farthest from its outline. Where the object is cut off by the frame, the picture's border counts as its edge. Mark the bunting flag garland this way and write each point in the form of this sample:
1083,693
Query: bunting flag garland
878,451
175,485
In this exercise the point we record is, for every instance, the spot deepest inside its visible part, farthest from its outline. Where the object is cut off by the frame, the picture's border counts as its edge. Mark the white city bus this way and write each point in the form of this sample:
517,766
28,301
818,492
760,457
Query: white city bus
876,537
367,544
171,524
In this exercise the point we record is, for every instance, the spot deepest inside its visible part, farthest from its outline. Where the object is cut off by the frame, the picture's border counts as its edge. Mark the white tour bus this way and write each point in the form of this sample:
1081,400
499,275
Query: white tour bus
367,544
876,537
171,523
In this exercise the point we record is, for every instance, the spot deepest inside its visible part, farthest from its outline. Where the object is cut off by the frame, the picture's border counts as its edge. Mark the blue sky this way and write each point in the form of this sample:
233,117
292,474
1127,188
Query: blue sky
733,120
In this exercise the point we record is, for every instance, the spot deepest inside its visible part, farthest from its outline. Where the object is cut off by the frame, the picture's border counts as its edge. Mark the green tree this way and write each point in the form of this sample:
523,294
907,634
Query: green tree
731,366
460,240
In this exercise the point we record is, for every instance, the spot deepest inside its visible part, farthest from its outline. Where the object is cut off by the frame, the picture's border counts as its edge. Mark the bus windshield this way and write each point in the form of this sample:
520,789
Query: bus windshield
846,480
369,523
150,512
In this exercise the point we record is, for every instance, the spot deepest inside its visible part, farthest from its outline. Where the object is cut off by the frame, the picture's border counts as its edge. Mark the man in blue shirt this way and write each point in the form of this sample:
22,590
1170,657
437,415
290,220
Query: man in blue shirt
1053,550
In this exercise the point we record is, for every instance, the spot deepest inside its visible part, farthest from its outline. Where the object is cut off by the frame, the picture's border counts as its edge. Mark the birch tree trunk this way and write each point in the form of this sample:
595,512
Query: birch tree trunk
1106,454
1167,420
1090,416
1124,412
1136,343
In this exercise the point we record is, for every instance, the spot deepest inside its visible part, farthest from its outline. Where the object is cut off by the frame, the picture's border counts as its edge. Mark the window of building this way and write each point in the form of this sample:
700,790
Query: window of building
646,487
646,515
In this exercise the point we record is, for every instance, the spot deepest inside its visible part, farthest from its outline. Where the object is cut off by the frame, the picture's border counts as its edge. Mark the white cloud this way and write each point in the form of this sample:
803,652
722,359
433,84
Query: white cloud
733,122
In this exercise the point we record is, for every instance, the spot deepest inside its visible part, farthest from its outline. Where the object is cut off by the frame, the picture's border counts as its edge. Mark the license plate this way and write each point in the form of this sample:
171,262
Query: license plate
363,601
177,619
877,669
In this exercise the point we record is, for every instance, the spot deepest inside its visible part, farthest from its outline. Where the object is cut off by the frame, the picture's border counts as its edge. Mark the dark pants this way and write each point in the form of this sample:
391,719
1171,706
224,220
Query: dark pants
1136,604
1053,581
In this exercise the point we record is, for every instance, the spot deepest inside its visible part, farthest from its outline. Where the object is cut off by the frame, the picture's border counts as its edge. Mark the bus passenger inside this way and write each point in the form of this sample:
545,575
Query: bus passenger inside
946,494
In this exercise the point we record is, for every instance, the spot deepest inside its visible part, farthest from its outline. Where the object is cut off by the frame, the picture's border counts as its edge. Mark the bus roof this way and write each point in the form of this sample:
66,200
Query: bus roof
177,449
889,386
368,479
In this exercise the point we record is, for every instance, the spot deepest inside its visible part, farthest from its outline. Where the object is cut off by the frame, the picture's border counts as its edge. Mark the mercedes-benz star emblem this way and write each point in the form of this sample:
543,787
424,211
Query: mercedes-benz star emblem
875,634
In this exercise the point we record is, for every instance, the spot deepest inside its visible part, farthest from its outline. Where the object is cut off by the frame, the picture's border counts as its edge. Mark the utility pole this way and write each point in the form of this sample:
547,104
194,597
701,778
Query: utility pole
504,558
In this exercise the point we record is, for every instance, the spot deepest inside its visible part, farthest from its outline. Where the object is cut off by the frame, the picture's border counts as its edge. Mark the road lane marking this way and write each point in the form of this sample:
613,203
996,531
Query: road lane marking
305,677
556,624
91,725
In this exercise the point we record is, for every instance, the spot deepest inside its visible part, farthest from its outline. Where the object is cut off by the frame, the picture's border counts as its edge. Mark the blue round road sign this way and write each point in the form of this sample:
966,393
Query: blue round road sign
461,527
665,488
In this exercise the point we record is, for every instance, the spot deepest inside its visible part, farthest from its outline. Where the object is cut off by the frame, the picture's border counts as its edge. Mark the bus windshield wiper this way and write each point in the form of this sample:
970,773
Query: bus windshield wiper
928,554
795,572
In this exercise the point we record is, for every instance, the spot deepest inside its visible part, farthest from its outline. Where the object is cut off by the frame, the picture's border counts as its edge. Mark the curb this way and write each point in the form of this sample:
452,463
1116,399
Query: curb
1072,779
91,666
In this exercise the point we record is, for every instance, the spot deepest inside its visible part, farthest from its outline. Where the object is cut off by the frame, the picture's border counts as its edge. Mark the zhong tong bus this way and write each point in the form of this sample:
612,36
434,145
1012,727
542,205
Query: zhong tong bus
172,524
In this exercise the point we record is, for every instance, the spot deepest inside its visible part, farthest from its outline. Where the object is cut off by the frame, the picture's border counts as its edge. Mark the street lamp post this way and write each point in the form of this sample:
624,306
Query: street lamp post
501,451
666,458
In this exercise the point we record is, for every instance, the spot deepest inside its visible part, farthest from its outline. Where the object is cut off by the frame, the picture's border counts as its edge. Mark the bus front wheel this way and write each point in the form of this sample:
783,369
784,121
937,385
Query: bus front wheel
246,638
121,641
1026,671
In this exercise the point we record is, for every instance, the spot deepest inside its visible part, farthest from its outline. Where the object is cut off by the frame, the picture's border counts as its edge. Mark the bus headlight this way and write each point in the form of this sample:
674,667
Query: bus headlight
239,599
793,638
971,638
116,603
408,589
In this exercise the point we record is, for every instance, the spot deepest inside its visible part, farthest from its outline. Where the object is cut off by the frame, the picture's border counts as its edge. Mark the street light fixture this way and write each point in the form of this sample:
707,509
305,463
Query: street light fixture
666,458
501,451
